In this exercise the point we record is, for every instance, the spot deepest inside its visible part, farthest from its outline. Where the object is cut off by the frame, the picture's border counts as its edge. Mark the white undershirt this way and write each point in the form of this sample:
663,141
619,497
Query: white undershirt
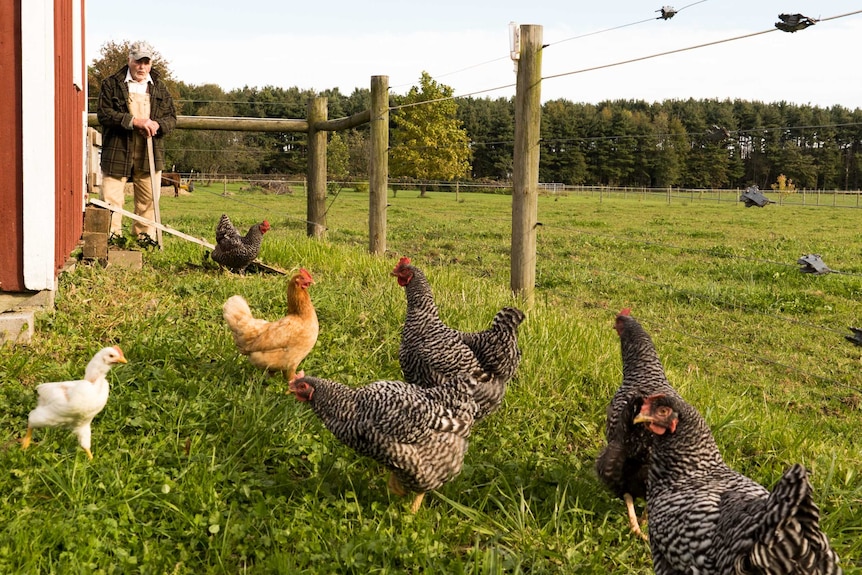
137,87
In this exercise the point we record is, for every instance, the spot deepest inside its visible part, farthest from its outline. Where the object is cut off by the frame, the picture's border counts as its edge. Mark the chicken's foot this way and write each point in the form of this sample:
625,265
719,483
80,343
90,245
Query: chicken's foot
25,443
633,517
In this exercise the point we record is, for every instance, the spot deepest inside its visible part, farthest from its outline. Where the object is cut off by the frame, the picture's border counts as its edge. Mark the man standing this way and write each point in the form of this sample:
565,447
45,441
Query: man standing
134,106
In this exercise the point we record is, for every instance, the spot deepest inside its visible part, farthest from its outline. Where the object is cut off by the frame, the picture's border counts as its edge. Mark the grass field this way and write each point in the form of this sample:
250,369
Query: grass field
203,465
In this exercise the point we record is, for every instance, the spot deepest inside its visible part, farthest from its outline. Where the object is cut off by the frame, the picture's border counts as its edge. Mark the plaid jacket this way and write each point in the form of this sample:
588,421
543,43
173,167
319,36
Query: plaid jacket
116,122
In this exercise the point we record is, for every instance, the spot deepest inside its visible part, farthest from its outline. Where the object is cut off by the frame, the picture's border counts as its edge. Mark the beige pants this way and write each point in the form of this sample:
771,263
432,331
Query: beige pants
112,191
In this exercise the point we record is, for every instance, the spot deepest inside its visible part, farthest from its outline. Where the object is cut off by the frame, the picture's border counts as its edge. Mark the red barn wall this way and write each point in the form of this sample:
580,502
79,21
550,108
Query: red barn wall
11,173
69,129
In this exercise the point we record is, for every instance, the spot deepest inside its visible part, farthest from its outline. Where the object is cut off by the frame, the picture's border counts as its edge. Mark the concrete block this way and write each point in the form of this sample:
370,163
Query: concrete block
23,301
97,219
95,245
17,327
126,259
40,300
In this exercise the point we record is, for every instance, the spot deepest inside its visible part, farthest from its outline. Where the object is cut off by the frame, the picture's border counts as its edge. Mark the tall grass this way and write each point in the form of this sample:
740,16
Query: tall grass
203,464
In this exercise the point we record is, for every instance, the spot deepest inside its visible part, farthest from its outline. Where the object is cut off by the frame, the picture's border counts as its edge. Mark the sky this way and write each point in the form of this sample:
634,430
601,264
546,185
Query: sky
465,45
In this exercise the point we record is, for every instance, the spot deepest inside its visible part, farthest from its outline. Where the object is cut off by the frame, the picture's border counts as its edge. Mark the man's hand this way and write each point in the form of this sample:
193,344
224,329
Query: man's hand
146,126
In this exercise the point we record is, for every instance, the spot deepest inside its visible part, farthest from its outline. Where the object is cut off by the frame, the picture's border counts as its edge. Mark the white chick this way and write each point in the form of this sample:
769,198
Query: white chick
74,404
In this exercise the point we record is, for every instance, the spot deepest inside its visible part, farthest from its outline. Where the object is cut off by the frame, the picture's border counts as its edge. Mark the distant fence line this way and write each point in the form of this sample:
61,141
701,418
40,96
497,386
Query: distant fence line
833,198
803,197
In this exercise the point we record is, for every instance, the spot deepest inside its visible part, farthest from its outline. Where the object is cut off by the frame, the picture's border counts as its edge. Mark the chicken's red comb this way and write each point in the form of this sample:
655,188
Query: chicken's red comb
304,273
405,261
625,311
648,400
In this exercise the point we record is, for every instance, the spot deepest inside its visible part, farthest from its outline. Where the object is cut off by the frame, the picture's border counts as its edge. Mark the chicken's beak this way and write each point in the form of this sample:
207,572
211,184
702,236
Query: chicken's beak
122,359
642,418
659,428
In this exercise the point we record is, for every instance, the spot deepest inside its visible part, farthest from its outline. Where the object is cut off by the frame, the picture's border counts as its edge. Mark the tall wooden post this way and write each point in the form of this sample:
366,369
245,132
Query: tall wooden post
316,198
378,170
525,177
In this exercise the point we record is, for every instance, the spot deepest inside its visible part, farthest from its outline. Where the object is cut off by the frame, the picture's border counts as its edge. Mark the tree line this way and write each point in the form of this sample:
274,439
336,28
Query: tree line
680,143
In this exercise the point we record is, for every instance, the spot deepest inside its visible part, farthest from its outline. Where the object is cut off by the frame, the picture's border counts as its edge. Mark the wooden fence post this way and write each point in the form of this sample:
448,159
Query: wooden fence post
525,173
316,199
378,170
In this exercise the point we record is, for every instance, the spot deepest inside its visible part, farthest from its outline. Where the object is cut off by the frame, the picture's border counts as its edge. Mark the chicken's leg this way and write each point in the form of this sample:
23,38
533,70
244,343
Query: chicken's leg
398,489
395,486
25,443
417,502
633,517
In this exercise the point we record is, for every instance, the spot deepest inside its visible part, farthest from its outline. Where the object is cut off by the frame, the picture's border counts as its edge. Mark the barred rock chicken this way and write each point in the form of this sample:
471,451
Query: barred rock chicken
623,464
431,352
276,345
234,251
74,404
418,433
706,518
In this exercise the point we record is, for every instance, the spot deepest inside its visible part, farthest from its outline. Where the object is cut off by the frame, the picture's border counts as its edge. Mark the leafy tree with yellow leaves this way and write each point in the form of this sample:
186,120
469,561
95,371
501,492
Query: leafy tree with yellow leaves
429,142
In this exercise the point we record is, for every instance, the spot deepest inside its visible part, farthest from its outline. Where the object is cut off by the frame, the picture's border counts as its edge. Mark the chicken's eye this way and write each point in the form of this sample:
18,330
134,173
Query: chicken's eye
663,411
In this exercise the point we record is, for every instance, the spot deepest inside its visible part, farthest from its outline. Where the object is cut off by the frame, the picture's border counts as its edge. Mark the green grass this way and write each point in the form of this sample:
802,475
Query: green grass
203,465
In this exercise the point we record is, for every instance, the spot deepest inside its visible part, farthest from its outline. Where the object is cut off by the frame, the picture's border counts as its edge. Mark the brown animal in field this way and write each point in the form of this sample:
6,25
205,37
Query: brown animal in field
172,179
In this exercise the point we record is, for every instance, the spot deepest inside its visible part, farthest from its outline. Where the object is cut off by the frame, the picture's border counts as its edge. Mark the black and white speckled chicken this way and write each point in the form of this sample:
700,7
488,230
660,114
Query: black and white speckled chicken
233,250
418,433
623,463
432,352
706,518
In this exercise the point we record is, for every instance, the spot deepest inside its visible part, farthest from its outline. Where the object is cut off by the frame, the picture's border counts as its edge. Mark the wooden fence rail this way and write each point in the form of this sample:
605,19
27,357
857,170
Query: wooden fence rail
316,127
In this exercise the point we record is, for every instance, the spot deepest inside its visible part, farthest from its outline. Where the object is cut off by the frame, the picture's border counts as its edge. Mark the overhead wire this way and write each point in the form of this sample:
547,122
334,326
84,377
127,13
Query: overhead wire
620,26
467,95
435,76
685,49
594,33
659,54
623,62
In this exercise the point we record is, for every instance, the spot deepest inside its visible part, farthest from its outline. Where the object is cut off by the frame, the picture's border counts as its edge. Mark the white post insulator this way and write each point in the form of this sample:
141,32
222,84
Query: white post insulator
515,43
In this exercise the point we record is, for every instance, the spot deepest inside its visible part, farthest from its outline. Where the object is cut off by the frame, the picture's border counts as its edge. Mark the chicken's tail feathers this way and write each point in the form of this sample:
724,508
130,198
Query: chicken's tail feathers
790,540
223,228
509,318
235,310
458,424
242,323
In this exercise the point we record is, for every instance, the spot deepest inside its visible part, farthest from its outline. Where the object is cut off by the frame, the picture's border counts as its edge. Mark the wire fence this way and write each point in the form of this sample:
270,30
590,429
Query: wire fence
669,249
798,197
